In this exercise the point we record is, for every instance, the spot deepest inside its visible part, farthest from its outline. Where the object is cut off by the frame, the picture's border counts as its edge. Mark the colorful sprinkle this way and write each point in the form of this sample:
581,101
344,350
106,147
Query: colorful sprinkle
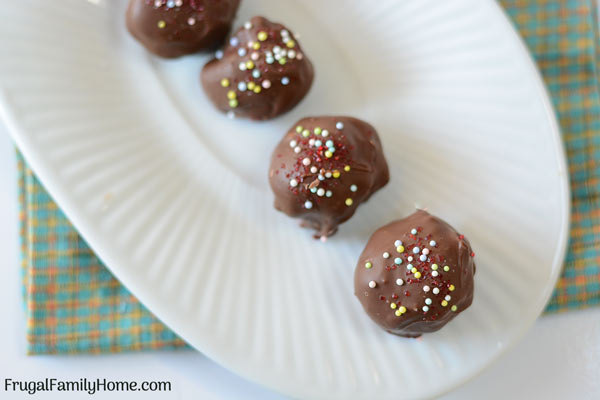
446,268
413,269
368,265
402,309
397,261
347,167
249,64
161,24
257,89
233,103
317,131
400,249
397,313
454,308
299,129
231,95
349,202
451,288
328,154
434,267
417,275
444,303
262,36
225,82
336,174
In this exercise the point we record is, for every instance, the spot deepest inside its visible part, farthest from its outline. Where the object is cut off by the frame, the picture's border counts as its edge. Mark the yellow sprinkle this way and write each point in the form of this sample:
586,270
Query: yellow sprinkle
161,24
400,249
328,154
434,267
262,36
249,64
299,128
402,309
306,133
231,95
317,131
454,308
336,174
233,103
256,46
290,44
347,168
451,288
393,306
413,270
368,265
417,275
251,85
282,61
257,89
349,202
397,313
444,303
446,268
225,82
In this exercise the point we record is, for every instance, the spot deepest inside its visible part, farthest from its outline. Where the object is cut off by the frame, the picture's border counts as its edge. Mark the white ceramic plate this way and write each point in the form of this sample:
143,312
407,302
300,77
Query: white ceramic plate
173,196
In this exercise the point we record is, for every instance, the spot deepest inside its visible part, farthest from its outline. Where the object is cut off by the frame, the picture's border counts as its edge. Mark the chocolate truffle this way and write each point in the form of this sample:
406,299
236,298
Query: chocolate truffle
324,168
261,73
415,275
173,28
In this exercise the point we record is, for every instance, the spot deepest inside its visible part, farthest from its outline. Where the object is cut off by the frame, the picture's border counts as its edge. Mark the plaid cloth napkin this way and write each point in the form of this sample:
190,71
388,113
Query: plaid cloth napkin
74,304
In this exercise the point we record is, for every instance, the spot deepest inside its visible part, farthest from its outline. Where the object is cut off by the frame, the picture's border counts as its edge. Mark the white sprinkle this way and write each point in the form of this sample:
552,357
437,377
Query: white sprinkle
372,284
254,56
325,133
432,243
321,192
191,21
448,297
425,308
314,169
398,243
234,41
435,290
256,74
242,52
248,25
250,44
409,266
243,66
328,174
413,231
425,251
291,54
386,255
428,301
311,142
157,3
266,84
329,193
321,177
178,3
399,282
339,126
270,60
285,81
293,183
308,204
410,258
416,250
299,56
219,54
284,32
242,88
306,161
318,143
426,288
353,188
423,257
329,143
297,149
276,49
293,143
313,190
434,274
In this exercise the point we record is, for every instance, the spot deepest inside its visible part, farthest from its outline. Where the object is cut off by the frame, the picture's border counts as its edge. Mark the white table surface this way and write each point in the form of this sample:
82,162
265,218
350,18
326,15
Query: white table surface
558,359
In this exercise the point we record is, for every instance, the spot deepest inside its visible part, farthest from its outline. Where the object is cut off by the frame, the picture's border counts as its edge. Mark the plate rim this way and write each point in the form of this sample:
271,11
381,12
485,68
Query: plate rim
58,192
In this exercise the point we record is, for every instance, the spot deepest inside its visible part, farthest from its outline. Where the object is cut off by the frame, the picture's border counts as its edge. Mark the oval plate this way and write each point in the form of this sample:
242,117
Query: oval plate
173,196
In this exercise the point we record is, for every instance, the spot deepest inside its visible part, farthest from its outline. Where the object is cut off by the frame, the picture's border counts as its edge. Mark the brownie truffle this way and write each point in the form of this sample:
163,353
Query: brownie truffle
415,275
324,168
261,73
173,28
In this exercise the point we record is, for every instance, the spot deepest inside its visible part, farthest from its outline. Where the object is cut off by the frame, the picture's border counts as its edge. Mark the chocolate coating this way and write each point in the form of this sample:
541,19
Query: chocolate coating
262,73
324,187
442,280
173,28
